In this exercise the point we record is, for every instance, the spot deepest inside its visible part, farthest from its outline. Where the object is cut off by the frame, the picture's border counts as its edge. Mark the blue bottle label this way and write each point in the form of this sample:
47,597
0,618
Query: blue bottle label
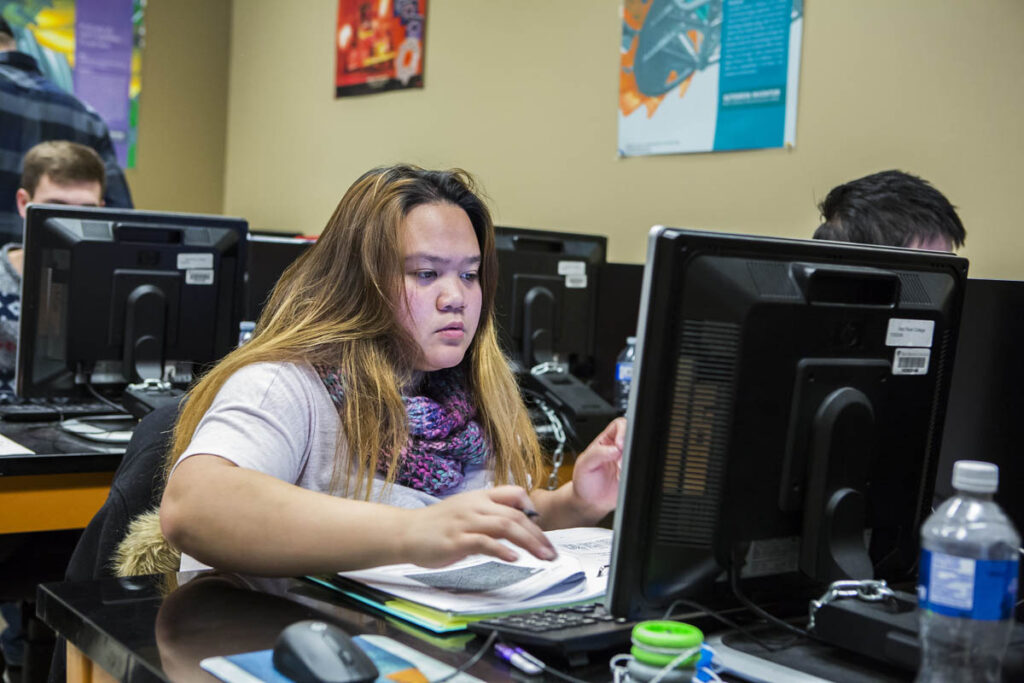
623,371
963,587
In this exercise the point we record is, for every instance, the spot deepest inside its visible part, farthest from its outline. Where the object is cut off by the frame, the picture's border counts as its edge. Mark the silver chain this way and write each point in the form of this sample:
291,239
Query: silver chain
557,428
548,366
559,433
868,590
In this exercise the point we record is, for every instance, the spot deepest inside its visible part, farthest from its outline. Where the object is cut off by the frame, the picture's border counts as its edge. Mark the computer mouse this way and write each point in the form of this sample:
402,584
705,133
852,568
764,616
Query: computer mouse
318,652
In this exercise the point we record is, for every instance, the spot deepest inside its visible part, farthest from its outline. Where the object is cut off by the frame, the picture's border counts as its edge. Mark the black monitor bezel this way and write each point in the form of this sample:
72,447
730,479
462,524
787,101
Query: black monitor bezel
39,214
505,308
254,302
625,595
986,399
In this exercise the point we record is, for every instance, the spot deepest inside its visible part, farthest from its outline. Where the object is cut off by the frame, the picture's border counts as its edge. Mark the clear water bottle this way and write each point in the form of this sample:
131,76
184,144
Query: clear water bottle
967,583
245,330
624,374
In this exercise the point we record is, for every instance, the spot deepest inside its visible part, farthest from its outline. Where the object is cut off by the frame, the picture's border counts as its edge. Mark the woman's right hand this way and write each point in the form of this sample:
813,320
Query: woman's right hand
471,523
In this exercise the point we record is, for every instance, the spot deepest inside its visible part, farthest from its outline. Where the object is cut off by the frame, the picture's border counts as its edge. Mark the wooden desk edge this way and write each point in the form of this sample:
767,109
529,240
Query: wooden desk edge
48,502
81,669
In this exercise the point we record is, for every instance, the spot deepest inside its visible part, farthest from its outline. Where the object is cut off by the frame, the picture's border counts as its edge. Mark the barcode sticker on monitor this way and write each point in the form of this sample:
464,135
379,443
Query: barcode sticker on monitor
572,267
199,276
907,332
186,261
575,281
911,361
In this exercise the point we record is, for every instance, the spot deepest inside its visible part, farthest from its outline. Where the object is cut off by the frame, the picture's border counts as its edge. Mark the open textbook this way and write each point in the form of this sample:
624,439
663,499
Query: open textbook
448,598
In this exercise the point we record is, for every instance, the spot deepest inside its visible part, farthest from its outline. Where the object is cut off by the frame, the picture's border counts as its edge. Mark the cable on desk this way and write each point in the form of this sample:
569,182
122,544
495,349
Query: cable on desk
471,661
103,399
547,669
670,667
560,674
728,622
734,573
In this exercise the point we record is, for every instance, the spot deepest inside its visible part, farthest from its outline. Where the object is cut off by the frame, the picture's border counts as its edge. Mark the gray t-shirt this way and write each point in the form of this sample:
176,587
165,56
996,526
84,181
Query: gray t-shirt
278,418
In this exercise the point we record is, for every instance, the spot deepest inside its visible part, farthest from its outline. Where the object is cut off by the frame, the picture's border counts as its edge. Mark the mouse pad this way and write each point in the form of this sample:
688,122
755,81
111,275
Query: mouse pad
397,663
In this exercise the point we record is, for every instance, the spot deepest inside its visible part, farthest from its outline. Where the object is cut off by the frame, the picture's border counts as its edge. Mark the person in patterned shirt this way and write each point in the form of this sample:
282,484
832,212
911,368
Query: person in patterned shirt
35,109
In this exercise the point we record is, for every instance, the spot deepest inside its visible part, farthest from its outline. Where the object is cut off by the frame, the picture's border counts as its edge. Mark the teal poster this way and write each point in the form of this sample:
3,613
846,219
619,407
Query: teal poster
708,75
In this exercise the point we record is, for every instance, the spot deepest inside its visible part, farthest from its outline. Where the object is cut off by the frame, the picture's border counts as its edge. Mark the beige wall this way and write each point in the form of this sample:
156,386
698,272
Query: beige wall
183,107
523,94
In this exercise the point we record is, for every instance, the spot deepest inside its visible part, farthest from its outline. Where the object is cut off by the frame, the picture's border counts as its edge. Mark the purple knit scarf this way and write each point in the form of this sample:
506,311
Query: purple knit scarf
443,436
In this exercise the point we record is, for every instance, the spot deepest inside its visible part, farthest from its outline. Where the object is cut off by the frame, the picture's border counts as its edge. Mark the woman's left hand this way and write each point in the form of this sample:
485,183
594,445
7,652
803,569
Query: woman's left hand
595,476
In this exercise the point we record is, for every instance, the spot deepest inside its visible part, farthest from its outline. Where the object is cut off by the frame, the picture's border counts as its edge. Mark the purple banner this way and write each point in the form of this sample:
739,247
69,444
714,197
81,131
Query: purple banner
103,63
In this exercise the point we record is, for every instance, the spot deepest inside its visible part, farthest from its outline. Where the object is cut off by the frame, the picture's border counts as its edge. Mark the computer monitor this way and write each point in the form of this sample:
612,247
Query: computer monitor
268,256
618,304
546,303
116,296
546,311
986,398
784,418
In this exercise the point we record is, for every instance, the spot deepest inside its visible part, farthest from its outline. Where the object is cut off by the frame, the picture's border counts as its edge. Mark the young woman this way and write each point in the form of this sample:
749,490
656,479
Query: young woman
372,418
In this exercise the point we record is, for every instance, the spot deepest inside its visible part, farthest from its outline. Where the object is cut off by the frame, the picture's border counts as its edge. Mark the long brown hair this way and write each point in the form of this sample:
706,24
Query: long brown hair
337,306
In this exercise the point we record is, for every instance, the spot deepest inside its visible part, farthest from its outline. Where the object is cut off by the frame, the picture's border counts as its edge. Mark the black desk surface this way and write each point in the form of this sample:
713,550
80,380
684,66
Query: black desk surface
140,630
158,628
56,451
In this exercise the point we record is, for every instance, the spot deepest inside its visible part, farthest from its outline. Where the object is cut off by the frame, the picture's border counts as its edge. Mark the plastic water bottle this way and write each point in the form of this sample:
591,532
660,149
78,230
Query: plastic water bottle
624,374
245,330
967,584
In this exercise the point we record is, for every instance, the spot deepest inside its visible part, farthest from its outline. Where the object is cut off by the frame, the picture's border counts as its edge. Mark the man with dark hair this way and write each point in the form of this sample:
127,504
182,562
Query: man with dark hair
891,208
34,110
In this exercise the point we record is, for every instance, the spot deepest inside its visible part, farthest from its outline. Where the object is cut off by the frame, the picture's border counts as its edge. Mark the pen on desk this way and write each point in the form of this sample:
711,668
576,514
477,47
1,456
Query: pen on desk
520,659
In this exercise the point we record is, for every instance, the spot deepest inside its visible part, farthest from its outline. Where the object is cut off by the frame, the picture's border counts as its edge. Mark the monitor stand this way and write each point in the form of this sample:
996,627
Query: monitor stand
146,396
751,667
888,632
109,429
583,412
857,641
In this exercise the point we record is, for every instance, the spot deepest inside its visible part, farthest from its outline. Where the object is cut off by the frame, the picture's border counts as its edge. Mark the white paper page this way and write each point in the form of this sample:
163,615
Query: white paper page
11,447
592,546
482,584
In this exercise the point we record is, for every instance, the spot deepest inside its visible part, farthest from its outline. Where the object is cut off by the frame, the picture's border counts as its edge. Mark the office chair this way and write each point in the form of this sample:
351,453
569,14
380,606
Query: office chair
136,488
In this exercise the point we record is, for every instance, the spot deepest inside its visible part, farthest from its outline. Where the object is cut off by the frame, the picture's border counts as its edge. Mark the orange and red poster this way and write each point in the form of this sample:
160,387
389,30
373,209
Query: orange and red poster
380,46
